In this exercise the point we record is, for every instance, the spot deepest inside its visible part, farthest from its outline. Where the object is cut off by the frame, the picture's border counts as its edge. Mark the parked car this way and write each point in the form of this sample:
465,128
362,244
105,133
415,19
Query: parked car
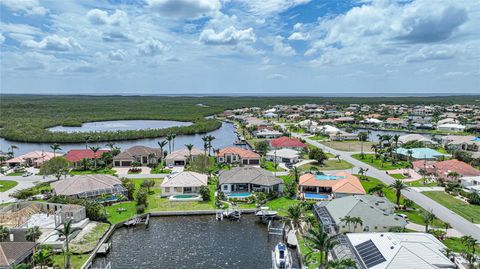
405,217
27,174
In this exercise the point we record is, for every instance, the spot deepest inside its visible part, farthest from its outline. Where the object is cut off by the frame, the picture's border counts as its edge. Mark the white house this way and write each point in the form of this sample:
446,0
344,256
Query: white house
471,183
371,121
283,156
451,127
183,183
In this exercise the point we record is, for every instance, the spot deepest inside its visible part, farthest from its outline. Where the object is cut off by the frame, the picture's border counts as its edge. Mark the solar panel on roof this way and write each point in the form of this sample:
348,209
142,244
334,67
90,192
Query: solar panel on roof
369,253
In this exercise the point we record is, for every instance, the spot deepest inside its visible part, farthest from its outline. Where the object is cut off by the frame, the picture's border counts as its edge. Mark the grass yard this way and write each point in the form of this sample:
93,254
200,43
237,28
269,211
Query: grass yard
314,259
76,261
270,167
398,176
159,170
286,179
455,244
155,203
349,145
14,174
319,137
328,165
419,183
469,212
414,215
379,164
90,240
5,185
281,204
90,172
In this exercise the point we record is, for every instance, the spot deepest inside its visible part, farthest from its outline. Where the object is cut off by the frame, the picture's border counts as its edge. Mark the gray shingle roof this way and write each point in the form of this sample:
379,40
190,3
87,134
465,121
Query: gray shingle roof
136,151
84,183
252,175
14,252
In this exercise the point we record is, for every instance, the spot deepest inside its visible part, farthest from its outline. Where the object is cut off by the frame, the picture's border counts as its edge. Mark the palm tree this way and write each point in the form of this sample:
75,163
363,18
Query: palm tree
4,233
362,171
95,149
162,144
348,221
11,151
87,139
189,147
410,153
453,175
33,233
395,139
469,242
66,231
210,138
428,218
110,145
341,264
169,139
55,147
320,241
294,212
398,186
42,257
173,141
338,158
295,173
377,190
357,221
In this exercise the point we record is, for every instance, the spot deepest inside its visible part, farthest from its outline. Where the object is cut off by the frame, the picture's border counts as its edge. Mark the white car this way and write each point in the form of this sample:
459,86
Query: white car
27,174
405,217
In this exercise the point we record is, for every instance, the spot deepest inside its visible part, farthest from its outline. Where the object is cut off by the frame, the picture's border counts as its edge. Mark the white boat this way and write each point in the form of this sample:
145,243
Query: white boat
281,257
264,212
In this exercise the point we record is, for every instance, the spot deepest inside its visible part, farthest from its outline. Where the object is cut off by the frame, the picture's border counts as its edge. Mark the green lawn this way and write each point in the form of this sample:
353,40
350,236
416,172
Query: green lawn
90,240
304,250
349,145
398,176
469,212
379,164
270,167
155,203
455,244
319,137
286,179
90,172
281,204
328,165
14,174
76,261
5,185
414,215
159,170
419,183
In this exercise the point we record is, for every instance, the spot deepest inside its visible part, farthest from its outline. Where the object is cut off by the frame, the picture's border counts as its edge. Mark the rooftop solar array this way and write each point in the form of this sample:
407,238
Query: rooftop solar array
369,253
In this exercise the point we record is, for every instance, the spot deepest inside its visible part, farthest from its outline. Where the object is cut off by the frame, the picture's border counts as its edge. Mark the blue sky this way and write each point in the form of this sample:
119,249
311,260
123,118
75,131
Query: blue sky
239,46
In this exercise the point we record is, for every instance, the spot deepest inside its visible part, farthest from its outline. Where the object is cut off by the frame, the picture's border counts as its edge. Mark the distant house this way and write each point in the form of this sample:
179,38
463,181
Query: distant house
141,154
470,144
34,158
394,251
287,143
88,186
376,214
75,156
442,169
451,127
268,134
180,157
371,121
324,186
395,122
471,183
342,135
237,155
419,154
416,137
183,183
249,179
14,253
283,156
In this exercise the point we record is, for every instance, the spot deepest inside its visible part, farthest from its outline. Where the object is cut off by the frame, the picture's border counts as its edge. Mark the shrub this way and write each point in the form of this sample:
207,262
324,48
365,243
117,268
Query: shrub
474,198
142,197
205,192
140,209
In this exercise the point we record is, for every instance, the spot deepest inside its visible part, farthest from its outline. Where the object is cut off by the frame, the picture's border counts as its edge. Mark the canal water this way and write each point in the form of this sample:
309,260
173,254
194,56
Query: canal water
120,125
193,242
374,138
224,136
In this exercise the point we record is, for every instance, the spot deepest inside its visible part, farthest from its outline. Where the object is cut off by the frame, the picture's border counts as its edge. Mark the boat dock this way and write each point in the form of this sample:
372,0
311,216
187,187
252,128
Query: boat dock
231,214
145,219
104,248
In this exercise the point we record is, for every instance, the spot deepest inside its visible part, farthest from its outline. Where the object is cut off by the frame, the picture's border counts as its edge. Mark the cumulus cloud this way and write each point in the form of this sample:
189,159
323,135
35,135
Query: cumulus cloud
281,48
298,36
29,7
151,47
431,53
2,38
117,55
229,36
101,17
115,36
187,9
53,43
268,7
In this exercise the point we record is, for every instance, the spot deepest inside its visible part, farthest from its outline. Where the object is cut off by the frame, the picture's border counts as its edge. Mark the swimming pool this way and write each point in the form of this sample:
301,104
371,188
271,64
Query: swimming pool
185,197
315,196
239,194
327,177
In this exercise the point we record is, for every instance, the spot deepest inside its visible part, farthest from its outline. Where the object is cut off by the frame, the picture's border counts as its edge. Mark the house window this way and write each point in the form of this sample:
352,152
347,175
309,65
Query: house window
225,187
187,189
178,189
376,228
167,189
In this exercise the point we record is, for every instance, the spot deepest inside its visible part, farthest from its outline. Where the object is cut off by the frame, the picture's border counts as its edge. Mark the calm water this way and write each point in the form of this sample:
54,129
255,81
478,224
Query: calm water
224,136
192,242
120,125
373,133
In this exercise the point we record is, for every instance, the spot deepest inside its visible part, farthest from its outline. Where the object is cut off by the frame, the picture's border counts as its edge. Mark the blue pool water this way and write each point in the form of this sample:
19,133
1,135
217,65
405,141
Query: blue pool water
315,196
239,194
476,139
326,177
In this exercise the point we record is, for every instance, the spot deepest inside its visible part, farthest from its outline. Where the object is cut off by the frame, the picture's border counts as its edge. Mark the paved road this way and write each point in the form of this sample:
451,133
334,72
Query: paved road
23,183
457,222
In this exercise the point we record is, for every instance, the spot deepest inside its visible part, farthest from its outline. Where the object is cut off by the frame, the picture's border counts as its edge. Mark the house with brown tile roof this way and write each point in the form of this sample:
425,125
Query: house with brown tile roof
75,156
237,155
141,154
336,185
442,169
13,253
287,143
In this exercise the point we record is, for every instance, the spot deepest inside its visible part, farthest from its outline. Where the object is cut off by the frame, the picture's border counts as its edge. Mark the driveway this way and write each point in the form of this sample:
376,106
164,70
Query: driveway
23,183
457,222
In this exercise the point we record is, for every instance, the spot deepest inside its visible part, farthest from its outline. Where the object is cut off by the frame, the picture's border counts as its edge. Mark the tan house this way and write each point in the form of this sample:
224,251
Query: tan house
141,154
237,155
180,157
34,158
183,183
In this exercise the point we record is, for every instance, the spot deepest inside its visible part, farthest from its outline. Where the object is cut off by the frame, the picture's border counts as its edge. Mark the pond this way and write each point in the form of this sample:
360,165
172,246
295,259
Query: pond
224,136
120,125
192,242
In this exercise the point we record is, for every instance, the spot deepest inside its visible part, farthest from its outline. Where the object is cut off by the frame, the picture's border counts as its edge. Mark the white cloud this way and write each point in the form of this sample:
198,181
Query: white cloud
281,48
268,7
52,42
428,53
298,36
117,55
29,7
190,9
20,29
101,17
151,47
229,36
2,38
276,76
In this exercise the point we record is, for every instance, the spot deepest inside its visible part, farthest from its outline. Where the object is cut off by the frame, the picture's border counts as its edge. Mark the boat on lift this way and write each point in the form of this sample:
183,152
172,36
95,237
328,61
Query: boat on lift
265,212
281,257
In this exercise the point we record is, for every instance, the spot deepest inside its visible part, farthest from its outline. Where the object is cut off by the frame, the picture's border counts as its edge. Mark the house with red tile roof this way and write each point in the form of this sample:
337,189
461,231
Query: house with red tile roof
237,155
285,142
442,169
75,156
336,185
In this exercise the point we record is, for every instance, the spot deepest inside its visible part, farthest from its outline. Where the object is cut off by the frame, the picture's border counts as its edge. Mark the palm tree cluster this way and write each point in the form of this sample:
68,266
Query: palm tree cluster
352,221
469,253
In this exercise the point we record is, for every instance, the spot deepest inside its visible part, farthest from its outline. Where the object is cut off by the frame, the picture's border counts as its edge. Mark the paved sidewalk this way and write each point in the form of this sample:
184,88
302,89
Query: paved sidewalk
23,183
421,228
420,189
